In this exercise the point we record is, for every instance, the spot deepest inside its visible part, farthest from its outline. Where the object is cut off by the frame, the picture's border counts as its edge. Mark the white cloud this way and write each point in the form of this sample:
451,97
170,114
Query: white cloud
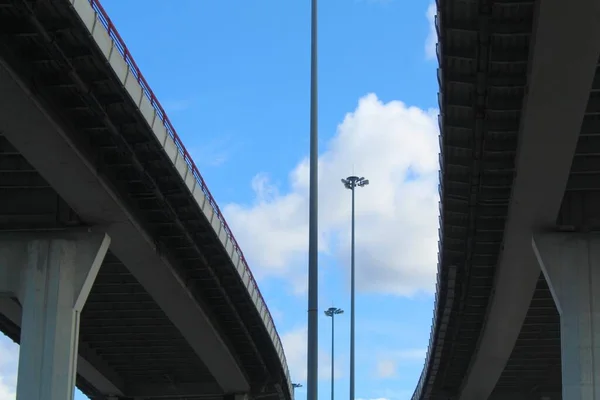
9,361
387,394
7,391
390,394
409,354
396,148
431,41
295,346
389,361
386,368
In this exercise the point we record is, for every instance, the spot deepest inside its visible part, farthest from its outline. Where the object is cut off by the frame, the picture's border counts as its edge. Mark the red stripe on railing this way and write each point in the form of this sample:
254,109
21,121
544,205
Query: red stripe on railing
160,112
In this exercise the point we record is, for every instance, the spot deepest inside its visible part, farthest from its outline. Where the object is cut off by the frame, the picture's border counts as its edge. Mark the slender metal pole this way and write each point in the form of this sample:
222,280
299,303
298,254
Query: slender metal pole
331,312
352,310
312,381
332,353
296,386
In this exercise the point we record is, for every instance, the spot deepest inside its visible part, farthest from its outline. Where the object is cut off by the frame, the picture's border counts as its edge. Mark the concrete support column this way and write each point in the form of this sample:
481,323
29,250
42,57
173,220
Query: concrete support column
571,265
51,276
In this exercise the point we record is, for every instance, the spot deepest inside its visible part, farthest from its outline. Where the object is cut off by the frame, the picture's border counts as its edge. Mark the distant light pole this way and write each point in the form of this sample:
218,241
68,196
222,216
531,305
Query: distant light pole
351,183
332,312
296,386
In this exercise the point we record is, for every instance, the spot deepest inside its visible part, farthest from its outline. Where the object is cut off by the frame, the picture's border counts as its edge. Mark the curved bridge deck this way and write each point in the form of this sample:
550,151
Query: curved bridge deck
487,110
68,60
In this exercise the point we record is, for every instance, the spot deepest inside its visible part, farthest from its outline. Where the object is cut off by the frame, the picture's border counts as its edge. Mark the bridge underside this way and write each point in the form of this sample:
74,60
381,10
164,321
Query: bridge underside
127,345
535,363
484,56
125,335
482,78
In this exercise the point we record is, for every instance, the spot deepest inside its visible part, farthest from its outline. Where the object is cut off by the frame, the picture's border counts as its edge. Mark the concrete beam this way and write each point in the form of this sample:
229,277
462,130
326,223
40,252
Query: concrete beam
48,147
562,67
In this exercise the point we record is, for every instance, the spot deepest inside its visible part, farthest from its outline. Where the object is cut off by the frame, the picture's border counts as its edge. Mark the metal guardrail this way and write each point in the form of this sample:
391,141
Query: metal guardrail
160,112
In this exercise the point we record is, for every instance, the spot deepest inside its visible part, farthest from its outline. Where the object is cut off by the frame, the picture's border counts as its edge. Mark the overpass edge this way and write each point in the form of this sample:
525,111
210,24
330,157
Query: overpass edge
442,303
110,43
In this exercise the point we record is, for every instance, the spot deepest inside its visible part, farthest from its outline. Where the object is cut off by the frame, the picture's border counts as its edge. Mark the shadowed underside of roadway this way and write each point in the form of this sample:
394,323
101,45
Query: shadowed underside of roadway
484,49
483,53
124,333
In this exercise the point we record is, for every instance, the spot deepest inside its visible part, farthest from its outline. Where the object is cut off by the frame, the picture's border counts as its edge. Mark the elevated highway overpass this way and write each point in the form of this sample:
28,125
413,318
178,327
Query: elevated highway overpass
517,310
117,269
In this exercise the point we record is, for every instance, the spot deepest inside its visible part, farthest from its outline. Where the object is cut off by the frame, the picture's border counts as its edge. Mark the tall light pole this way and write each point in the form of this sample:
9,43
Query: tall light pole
332,312
312,359
296,386
351,183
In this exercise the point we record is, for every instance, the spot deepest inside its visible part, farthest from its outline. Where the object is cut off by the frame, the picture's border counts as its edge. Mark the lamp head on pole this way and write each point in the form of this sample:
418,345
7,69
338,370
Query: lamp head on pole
353,181
331,311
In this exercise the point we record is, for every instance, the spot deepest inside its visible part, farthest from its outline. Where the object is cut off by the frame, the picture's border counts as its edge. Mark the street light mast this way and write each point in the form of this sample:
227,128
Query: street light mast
351,183
312,359
332,312
296,386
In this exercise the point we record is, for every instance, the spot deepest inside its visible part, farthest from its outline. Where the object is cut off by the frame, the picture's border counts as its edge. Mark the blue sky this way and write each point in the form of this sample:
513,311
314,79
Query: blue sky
234,79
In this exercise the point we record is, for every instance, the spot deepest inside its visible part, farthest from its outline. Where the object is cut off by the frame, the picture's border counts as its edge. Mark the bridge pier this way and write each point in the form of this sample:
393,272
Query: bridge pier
51,275
571,265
